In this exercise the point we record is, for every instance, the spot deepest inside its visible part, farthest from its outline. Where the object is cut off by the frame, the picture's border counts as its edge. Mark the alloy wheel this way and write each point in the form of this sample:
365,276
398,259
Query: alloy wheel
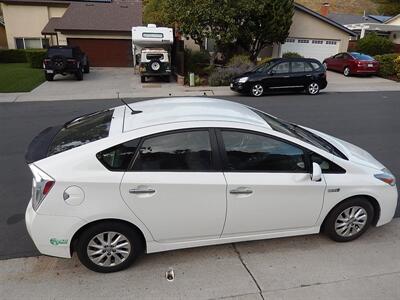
346,71
351,221
257,90
108,249
313,88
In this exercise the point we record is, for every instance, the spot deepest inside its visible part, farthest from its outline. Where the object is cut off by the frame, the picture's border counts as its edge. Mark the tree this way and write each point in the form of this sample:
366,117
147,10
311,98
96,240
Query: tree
154,12
389,7
374,44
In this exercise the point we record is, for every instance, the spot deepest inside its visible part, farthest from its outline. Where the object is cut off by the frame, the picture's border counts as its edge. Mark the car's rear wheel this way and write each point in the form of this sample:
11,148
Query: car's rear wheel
49,77
346,71
86,69
109,247
257,90
79,74
349,220
313,88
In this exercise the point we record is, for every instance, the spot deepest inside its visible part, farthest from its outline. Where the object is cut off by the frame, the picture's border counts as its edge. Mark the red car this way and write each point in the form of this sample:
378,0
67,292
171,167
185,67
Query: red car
352,63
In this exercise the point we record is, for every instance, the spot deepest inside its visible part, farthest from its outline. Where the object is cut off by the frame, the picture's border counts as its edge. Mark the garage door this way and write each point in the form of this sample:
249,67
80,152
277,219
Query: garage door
311,48
106,52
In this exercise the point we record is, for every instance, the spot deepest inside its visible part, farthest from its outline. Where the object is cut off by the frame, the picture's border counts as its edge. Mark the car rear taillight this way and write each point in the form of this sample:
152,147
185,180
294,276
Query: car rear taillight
41,186
387,177
46,62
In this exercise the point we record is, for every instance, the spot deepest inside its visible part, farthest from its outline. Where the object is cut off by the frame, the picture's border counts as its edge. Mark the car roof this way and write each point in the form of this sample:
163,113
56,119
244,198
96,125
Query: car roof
188,109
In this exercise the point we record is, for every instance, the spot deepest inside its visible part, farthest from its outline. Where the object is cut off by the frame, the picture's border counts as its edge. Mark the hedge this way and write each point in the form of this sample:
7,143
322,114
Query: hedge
291,55
387,64
374,44
397,66
13,56
35,58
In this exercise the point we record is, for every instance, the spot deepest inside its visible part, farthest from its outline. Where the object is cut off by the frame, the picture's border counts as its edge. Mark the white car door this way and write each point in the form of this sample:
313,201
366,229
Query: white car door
174,189
269,185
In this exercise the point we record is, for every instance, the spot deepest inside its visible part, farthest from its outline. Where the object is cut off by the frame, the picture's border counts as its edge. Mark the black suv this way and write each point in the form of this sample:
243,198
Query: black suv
65,60
300,73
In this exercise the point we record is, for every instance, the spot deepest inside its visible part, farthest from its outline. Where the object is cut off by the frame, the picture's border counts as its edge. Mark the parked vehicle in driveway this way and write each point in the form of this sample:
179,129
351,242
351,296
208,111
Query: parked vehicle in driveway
352,63
184,172
65,60
296,73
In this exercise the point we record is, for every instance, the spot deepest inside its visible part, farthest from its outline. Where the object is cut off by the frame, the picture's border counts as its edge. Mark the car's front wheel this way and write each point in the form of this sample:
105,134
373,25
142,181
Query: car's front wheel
313,88
49,77
257,90
109,247
349,220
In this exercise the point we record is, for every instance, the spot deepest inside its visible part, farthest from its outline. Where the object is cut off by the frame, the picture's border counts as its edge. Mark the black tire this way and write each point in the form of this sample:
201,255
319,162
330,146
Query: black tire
330,222
313,88
86,68
49,77
257,89
142,79
346,71
79,75
135,240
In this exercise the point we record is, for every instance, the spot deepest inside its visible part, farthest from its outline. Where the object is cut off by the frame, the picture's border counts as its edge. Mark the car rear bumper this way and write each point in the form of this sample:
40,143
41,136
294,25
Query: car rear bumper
388,203
51,235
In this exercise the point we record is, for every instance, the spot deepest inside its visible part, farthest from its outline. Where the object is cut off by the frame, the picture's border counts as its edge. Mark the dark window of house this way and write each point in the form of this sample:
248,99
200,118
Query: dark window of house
179,151
281,68
326,165
252,152
19,43
118,158
82,130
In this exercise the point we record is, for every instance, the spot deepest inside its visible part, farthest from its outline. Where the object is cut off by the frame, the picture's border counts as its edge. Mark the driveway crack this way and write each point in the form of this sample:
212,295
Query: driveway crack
248,270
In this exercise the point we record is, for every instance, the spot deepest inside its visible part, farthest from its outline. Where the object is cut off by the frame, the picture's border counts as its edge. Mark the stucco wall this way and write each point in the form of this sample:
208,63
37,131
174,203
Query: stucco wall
307,26
27,21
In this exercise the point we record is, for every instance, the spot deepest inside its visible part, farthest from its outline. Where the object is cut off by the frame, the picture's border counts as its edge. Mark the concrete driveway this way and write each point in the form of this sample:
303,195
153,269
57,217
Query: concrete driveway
337,82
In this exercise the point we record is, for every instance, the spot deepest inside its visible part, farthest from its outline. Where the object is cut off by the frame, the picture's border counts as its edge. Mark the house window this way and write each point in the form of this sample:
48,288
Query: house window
152,35
303,41
290,40
330,42
319,42
31,43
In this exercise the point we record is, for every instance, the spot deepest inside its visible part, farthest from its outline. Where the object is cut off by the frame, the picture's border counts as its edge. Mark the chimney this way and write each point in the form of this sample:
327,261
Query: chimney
325,9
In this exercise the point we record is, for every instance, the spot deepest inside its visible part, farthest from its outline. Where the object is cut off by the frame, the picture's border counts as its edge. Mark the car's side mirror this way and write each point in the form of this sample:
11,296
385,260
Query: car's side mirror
272,72
316,173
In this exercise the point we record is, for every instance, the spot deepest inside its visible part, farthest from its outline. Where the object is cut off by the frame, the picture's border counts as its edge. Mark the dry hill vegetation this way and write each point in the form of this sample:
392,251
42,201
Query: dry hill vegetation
343,6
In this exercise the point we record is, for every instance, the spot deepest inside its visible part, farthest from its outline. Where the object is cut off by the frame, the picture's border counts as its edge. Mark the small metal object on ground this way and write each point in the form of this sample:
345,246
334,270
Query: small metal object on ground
170,275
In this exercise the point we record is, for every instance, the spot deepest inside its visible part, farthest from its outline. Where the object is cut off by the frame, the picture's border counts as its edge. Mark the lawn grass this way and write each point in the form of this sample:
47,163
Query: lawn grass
19,78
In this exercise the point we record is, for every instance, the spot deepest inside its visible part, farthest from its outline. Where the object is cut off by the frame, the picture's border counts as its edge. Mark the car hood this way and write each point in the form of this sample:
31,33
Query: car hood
354,153
246,74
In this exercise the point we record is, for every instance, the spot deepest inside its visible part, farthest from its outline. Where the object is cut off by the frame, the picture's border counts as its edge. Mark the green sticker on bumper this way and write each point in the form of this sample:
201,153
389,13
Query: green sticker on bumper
56,242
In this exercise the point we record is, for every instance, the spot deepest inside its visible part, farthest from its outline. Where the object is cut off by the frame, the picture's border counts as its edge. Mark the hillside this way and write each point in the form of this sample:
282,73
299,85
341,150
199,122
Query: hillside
343,6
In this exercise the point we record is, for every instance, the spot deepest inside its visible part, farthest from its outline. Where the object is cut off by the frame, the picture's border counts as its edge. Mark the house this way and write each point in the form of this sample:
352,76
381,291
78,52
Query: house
3,36
363,24
101,29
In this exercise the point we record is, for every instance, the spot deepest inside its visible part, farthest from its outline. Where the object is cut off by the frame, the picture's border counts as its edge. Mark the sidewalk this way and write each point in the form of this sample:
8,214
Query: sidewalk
105,83
309,267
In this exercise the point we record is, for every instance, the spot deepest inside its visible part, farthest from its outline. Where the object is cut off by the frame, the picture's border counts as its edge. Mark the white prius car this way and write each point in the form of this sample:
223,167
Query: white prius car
184,172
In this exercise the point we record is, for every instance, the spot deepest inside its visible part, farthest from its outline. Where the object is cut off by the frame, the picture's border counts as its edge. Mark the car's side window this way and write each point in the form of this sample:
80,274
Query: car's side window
255,152
300,67
326,165
118,158
281,68
178,151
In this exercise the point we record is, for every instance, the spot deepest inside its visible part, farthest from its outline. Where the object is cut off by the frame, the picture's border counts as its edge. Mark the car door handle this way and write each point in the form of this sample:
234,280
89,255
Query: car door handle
241,191
142,191
286,76
308,75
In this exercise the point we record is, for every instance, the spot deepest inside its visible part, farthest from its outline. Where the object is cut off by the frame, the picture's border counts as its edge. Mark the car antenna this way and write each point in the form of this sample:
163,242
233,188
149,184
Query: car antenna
133,112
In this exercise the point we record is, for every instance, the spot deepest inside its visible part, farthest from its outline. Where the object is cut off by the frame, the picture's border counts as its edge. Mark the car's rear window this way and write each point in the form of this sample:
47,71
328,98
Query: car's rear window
66,52
361,56
82,130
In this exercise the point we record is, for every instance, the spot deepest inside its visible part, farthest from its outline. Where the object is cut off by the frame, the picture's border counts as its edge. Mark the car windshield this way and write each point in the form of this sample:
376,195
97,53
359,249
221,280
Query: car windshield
298,132
66,52
361,56
82,130
262,67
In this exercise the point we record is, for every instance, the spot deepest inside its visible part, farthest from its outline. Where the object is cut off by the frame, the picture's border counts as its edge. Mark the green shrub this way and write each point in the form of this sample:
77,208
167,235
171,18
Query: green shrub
263,60
197,62
397,66
373,44
386,64
239,61
35,58
291,55
13,56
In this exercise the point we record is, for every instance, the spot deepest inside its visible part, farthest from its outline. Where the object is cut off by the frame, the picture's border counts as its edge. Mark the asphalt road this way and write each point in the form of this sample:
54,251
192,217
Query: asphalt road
370,120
